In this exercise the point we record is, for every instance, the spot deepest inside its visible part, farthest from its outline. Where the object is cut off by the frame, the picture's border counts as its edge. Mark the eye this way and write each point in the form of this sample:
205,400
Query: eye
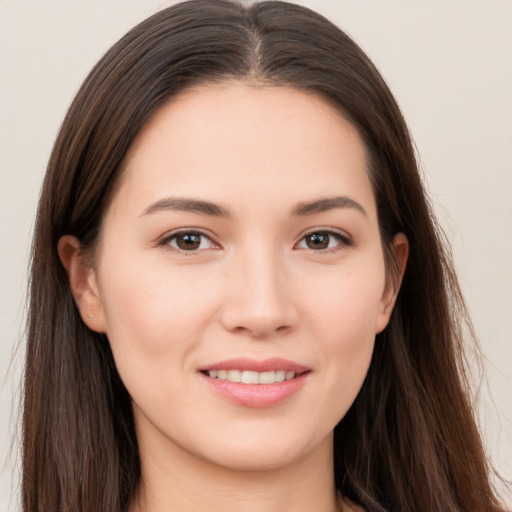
324,240
189,241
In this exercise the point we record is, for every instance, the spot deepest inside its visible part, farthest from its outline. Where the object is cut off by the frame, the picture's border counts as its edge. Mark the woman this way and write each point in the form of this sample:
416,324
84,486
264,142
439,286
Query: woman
237,285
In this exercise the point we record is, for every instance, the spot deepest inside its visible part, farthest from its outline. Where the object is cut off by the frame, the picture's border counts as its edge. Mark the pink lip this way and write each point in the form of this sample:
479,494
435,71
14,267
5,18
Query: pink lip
256,395
253,365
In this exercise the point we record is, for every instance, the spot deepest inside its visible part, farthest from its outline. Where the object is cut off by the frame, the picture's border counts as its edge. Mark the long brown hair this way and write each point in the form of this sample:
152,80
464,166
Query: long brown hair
409,442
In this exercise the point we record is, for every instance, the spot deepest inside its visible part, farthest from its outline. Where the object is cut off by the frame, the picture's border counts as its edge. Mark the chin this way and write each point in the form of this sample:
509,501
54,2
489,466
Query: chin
265,453
257,460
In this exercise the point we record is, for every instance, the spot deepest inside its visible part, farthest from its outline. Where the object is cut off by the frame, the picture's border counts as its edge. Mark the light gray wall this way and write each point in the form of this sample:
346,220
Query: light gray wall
449,62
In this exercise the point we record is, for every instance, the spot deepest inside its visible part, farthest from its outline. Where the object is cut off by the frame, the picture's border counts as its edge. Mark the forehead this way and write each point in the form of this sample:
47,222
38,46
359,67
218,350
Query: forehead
231,140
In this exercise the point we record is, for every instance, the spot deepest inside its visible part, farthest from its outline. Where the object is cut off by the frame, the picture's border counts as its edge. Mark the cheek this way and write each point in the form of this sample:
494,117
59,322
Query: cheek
348,327
342,319
154,324
152,310
346,304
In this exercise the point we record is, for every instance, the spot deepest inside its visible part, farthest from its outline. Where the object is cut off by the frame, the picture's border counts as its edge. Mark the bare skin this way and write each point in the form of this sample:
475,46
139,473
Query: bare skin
244,227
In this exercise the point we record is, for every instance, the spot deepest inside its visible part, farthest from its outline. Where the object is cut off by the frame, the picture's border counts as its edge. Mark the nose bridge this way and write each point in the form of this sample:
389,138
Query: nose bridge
260,300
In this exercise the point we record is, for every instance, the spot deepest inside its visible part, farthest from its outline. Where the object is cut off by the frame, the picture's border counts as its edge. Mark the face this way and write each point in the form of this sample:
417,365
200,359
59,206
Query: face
240,275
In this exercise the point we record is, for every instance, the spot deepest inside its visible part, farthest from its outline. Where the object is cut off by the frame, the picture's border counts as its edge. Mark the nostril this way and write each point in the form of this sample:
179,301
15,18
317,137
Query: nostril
259,315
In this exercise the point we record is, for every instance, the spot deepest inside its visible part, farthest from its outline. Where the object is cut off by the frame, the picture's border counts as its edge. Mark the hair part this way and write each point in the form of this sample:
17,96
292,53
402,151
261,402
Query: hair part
409,442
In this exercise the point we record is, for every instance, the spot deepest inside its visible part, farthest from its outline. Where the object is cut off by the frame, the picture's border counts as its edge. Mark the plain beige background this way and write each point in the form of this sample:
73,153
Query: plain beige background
449,63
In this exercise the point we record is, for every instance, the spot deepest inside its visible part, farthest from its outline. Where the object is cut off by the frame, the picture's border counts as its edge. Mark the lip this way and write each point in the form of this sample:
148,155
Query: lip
256,395
254,365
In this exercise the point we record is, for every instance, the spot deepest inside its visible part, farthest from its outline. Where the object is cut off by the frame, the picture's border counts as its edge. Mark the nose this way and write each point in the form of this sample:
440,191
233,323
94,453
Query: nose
260,302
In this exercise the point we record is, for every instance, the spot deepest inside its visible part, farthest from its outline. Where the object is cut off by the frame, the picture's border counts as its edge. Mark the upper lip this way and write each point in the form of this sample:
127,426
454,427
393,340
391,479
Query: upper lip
255,365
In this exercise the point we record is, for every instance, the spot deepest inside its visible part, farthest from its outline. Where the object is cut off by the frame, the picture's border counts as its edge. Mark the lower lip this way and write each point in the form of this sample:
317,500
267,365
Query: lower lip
256,395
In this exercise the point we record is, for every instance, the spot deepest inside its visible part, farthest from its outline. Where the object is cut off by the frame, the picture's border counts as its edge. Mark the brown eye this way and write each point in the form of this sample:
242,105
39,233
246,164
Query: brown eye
318,241
324,240
189,241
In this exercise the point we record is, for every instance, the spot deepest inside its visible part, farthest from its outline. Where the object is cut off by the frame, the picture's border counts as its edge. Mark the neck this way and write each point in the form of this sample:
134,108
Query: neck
173,479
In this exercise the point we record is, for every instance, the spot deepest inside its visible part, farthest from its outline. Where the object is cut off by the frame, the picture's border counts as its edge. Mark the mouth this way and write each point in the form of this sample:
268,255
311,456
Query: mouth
253,377
256,383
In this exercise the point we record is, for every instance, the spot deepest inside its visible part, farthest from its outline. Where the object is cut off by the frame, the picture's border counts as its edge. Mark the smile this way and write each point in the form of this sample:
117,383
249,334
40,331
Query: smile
255,383
251,377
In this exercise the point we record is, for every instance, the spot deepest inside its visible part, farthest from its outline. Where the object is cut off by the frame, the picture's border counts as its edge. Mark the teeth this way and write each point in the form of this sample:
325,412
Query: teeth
267,378
249,377
234,376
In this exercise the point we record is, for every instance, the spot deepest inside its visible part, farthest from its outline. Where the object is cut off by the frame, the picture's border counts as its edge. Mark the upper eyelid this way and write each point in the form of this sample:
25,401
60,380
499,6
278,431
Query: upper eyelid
345,241
162,240
332,231
329,230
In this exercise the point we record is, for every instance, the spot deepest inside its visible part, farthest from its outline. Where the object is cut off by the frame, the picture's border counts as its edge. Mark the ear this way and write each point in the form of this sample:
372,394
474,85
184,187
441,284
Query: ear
82,282
400,251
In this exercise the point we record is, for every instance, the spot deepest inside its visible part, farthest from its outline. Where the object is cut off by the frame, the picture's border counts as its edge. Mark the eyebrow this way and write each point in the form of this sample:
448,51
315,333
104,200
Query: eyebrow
208,208
183,204
326,204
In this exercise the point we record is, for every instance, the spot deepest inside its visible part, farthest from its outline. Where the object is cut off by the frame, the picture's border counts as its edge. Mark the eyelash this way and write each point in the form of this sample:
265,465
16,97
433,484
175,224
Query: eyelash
167,239
343,239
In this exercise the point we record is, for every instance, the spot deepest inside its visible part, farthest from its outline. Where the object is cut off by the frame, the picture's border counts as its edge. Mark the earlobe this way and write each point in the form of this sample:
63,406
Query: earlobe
82,282
400,255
